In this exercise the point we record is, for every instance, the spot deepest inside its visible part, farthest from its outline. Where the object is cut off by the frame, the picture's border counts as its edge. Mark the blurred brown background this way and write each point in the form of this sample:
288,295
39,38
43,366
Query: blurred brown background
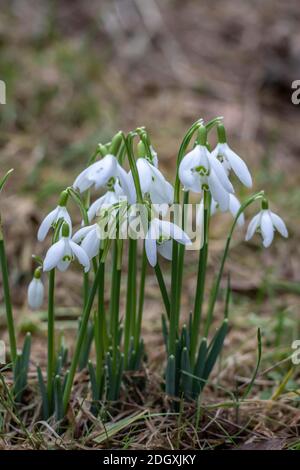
78,71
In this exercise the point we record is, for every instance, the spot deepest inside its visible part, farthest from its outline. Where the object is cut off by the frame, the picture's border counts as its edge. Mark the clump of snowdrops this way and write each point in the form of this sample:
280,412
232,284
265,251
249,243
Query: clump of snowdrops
126,203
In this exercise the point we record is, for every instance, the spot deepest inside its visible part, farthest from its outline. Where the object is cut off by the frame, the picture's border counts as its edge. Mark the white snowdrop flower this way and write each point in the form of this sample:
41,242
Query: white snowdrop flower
152,180
111,197
230,160
159,238
60,212
35,294
90,239
103,173
266,222
234,206
154,183
61,253
200,171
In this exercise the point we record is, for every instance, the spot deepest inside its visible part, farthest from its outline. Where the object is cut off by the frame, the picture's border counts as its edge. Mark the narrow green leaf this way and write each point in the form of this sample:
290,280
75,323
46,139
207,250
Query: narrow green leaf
199,367
170,376
259,350
58,399
43,391
217,344
186,378
5,178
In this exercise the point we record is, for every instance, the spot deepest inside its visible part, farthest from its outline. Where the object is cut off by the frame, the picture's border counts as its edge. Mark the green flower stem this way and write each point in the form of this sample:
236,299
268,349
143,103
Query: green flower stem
198,305
175,255
51,335
130,315
132,163
115,302
7,300
101,342
180,262
81,337
141,300
163,289
216,286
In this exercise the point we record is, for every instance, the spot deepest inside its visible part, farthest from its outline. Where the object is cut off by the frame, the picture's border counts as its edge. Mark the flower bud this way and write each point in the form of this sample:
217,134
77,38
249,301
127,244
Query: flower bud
35,293
221,134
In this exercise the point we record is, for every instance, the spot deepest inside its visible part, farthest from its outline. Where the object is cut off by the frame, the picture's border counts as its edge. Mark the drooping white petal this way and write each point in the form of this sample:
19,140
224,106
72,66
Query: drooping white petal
238,165
150,247
252,227
82,183
188,177
145,176
35,294
54,255
126,184
165,249
64,214
82,233
221,174
267,229
169,229
213,206
219,194
161,192
105,169
91,243
95,207
279,224
234,206
46,224
81,255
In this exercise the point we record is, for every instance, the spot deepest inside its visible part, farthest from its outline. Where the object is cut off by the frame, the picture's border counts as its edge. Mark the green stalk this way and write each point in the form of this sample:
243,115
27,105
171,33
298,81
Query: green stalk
115,302
178,257
163,289
141,300
7,300
81,336
101,343
180,262
130,316
51,334
216,286
202,265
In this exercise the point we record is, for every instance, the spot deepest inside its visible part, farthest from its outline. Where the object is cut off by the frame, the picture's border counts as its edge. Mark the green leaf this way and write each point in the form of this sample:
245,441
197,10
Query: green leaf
112,429
186,377
58,399
170,376
5,178
259,350
43,391
215,349
199,367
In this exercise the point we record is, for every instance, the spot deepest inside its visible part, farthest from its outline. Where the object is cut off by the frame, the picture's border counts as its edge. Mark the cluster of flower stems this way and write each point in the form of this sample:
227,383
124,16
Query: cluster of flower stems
192,349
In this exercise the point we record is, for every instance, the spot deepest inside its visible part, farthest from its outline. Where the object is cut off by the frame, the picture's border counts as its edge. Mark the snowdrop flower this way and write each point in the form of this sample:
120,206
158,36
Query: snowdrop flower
152,180
102,173
230,160
60,212
158,238
111,197
90,239
266,222
35,294
234,206
61,253
200,171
